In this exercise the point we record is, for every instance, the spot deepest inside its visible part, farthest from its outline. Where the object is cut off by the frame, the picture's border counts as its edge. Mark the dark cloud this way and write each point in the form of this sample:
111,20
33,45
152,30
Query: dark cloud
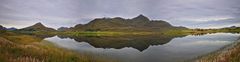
56,13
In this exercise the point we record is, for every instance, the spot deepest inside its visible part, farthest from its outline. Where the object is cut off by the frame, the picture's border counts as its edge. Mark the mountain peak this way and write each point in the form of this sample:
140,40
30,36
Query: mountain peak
38,27
39,24
141,17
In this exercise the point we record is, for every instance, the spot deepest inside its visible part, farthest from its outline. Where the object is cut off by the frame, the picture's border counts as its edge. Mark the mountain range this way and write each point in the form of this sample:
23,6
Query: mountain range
139,23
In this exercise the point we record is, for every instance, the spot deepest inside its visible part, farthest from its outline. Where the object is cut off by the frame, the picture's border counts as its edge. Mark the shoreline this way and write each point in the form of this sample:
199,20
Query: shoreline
225,54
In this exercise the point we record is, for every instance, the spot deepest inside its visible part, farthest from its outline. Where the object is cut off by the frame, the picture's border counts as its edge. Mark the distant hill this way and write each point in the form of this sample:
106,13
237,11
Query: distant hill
63,29
139,23
2,28
11,29
37,27
232,27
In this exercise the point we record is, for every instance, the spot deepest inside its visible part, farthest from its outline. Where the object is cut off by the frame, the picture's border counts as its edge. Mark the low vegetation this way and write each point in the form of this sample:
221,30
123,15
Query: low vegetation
26,48
228,55
103,33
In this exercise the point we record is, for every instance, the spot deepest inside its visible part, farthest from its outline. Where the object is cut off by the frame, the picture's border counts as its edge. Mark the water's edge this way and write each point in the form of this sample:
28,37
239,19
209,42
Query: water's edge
201,47
213,55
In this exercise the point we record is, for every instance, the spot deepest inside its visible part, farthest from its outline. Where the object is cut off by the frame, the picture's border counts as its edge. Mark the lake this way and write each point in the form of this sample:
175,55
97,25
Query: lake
152,48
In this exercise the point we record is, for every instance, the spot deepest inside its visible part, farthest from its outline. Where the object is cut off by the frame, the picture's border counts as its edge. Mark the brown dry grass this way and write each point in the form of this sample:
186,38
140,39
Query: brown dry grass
229,55
25,48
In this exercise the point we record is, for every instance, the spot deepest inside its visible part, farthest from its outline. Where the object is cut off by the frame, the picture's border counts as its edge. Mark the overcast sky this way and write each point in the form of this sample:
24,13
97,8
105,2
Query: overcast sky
67,13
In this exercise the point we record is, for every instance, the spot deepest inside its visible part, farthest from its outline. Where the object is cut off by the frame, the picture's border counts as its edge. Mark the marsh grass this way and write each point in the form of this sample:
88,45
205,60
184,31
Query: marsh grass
104,33
25,48
229,55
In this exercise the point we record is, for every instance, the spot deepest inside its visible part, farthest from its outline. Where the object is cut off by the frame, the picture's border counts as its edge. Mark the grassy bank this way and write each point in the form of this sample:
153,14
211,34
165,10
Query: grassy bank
229,55
105,33
172,32
25,48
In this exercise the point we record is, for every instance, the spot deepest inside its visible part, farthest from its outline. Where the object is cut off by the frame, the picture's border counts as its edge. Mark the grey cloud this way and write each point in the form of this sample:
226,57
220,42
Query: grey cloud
56,13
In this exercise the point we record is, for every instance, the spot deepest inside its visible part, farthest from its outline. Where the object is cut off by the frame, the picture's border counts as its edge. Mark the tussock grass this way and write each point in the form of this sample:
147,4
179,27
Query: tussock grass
25,48
230,55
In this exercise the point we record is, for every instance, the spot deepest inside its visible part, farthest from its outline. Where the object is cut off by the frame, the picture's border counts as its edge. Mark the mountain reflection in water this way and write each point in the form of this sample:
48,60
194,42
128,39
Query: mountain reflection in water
153,48
118,42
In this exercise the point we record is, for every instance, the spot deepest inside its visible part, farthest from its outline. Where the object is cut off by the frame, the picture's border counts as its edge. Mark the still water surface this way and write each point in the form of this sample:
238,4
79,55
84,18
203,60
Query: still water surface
147,48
